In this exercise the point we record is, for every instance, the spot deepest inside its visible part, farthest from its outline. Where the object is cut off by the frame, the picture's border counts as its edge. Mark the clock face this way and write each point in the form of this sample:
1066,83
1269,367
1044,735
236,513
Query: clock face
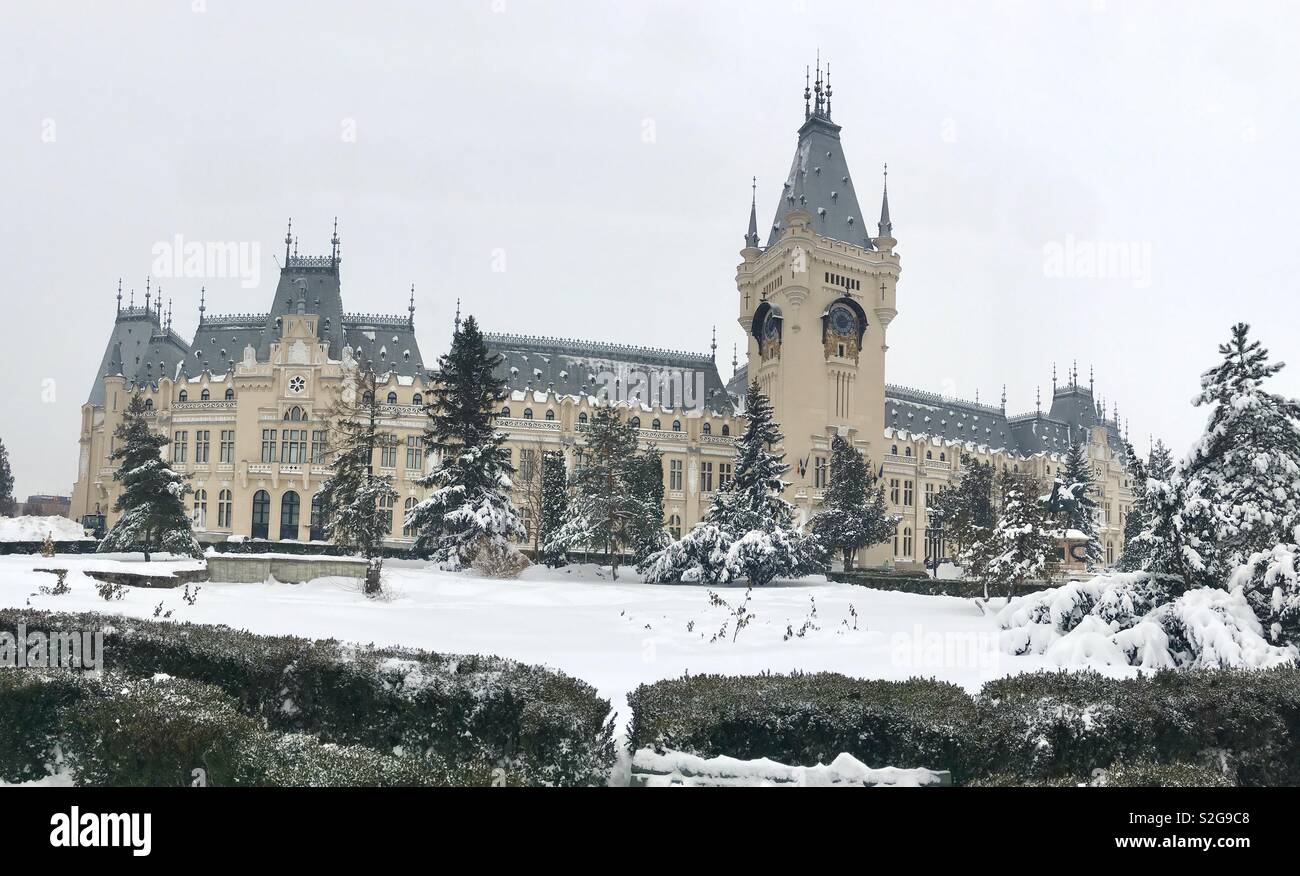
772,328
843,321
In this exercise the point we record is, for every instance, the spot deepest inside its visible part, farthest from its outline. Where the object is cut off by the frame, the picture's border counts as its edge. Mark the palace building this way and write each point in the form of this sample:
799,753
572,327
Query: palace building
245,402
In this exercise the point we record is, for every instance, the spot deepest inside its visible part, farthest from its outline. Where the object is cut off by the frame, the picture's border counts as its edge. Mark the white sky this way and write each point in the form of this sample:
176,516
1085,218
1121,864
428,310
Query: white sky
520,126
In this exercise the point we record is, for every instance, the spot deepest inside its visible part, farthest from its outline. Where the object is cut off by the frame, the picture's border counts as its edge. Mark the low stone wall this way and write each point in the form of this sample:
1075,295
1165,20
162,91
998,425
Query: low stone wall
925,585
82,546
140,579
257,568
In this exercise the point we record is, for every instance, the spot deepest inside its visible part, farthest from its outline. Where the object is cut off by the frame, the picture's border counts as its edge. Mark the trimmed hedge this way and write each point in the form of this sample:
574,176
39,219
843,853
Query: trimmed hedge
805,719
1046,729
118,731
540,726
1245,723
1138,775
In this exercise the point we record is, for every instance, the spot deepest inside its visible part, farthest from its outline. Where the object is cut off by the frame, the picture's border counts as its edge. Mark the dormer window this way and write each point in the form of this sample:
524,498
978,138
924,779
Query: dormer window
677,425
505,412
707,429
417,399
184,396
550,416
230,394
392,398
528,413
205,396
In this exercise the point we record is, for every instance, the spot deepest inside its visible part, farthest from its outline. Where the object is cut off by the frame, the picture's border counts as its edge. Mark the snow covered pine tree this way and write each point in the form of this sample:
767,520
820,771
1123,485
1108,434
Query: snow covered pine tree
555,506
469,511
853,515
1022,545
605,504
749,532
1072,499
152,499
1158,465
357,504
6,482
965,511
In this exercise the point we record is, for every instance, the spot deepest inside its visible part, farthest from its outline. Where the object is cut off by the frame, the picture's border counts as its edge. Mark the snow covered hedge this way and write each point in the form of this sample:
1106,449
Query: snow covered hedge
1137,619
540,726
805,719
1065,725
1144,774
119,731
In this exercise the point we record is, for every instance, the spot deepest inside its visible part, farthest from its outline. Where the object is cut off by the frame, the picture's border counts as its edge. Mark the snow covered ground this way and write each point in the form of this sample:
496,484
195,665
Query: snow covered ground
31,528
613,634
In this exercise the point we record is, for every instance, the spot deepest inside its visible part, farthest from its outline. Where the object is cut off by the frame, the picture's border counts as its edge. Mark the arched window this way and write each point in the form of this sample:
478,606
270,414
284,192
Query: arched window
707,429
417,399
550,415
726,430
316,523
528,413
893,450
148,404
261,514
407,532
290,516
392,398
656,425
294,414
582,417
505,412
907,542
224,506
634,423
907,452
677,425
929,454
205,396
200,509
230,394
367,397
675,526
943,457
184,396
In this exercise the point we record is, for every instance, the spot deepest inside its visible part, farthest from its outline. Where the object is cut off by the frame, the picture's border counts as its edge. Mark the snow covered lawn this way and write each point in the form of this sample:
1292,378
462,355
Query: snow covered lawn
613,634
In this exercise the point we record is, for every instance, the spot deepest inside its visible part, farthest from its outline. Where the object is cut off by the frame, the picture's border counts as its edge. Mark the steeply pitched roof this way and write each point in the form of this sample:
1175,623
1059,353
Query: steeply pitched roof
313,282
141,350
572,367
819,182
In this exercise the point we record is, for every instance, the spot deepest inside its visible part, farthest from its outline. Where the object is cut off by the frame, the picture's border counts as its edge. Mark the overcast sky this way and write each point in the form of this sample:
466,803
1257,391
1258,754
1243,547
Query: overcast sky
602,153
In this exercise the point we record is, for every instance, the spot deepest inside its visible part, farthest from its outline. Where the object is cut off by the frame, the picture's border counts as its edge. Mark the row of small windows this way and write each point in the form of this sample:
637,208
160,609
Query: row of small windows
205,395
634,422
842,281
907,453
290,514
368,397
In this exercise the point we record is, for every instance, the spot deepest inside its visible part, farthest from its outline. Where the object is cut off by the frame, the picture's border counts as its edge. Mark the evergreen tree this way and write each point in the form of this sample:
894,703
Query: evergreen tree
6,483
469,508
646,487
604,506
749,532
1072,495
356,503
965,512
1157,466
152,501
1240,484
555,506
853,515
1022,545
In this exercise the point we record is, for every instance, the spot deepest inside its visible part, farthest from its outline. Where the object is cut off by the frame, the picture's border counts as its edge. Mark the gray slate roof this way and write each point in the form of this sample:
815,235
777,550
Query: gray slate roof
572,367
140,349
819,182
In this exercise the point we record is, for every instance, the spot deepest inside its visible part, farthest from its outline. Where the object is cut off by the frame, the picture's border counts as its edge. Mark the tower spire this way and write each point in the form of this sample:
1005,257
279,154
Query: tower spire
1090,380
735,364
817,87
713,346
203,304
334,243
457,314
411,307
119,294
828,91
1038,399
885,226
147,294
1004,398
751,236
1053,378
288,239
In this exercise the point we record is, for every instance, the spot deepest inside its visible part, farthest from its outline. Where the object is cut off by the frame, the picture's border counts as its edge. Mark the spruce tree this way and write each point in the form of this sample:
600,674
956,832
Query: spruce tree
152,501
853,515
1240,484
1157,466
469,509
965,513
749,531
6,482
555,506
1074,503
356,503
646,488
1022,545
604,507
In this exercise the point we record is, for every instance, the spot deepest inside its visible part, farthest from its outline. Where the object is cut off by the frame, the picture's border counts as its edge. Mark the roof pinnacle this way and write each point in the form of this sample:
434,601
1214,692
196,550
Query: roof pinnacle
886,226
751,236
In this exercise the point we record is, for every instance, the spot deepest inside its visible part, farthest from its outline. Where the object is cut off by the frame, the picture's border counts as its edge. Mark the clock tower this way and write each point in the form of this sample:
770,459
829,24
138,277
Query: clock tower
815,301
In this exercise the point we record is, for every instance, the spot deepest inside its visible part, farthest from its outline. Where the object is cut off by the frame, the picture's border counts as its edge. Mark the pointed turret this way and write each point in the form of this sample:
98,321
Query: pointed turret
751,236
885,226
